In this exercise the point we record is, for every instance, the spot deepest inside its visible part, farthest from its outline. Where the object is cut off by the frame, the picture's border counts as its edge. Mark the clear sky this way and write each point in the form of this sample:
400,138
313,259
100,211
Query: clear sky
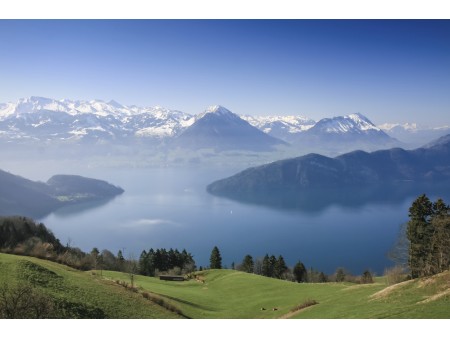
388,70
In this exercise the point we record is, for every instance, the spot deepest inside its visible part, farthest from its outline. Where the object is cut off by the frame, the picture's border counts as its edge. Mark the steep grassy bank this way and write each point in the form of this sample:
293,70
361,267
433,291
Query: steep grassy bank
82,294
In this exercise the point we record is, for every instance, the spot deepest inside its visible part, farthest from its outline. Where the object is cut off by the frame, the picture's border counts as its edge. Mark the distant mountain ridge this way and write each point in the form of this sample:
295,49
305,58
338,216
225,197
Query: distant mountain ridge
355,169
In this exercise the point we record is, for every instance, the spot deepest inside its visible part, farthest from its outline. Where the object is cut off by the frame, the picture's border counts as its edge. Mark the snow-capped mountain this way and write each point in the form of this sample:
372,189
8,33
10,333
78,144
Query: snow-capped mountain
282,127
414,134
348,124
41,120
345,133
220,129
38,118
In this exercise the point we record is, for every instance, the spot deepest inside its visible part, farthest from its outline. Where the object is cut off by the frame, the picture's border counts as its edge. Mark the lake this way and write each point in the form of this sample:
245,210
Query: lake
170,208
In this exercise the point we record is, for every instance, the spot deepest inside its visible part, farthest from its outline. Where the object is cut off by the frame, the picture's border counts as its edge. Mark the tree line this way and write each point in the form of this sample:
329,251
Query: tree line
152,262
23,236
273,267
428,233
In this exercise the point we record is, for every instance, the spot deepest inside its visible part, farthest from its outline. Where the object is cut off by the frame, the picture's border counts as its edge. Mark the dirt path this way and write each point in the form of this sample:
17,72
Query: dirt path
293,313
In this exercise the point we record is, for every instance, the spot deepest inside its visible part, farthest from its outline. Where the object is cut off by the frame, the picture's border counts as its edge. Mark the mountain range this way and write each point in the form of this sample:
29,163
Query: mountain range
42,120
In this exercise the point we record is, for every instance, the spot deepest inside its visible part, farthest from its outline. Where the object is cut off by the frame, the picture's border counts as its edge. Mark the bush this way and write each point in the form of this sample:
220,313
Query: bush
366,277
395,275
305,304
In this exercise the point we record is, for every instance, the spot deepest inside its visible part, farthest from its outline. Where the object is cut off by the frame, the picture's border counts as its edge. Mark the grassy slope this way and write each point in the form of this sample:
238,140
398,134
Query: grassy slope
233,294
79,287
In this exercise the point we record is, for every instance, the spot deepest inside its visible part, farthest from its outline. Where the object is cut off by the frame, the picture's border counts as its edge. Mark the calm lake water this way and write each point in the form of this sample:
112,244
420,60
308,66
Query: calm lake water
170,208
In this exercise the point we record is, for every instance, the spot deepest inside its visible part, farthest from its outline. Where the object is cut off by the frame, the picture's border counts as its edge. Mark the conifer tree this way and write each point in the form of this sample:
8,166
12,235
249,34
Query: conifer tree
280,267
419,233
265,269
215,261
247,264
300,272
340,275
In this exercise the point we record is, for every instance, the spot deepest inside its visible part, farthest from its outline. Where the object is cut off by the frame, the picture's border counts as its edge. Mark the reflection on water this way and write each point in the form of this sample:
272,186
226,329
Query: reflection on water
170,208
76,209
319,199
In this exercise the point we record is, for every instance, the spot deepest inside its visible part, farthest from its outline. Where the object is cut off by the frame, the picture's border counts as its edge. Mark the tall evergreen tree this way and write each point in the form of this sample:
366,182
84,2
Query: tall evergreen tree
247,264
300,272
340,275
120,261
272,263
439,258
215,261
265,269
323,278
419,234
280,268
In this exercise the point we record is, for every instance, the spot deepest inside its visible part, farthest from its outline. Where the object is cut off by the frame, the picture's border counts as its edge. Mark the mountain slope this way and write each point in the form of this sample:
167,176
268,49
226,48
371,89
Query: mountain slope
355,169
220,129
20,196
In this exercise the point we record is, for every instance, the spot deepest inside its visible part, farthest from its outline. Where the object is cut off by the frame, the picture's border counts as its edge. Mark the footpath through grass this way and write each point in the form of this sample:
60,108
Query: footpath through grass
227,294
234,294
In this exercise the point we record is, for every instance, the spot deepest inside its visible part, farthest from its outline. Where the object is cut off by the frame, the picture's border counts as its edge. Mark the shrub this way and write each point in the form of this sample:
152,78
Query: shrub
395,275
366,277
305,304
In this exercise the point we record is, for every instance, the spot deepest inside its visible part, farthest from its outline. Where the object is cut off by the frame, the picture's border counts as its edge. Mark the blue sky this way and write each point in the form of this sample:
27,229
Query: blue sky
388,70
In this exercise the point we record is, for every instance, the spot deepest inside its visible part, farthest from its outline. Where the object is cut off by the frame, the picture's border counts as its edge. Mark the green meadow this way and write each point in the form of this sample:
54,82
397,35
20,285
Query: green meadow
227,294
235,294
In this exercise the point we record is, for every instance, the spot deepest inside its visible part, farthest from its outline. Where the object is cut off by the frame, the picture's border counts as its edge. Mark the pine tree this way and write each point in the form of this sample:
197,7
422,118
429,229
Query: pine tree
265,269
280,268
215,261
247,264
120,260
300,272
323,278
419,233
340,275
439,258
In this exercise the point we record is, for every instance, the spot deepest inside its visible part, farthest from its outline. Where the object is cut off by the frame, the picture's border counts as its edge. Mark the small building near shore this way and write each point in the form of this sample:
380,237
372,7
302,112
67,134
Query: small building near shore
172,278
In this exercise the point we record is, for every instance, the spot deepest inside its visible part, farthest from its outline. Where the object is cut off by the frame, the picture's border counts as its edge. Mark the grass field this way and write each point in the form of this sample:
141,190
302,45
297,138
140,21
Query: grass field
229,294
234,294
82,289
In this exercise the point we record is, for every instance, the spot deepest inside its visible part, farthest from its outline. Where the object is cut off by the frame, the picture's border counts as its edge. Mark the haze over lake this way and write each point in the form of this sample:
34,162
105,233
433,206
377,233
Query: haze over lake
170,208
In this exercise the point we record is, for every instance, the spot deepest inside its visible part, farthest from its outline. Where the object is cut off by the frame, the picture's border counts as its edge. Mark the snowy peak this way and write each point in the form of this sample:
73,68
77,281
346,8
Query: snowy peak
220,129
41,118
280,125
218,111
353,123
